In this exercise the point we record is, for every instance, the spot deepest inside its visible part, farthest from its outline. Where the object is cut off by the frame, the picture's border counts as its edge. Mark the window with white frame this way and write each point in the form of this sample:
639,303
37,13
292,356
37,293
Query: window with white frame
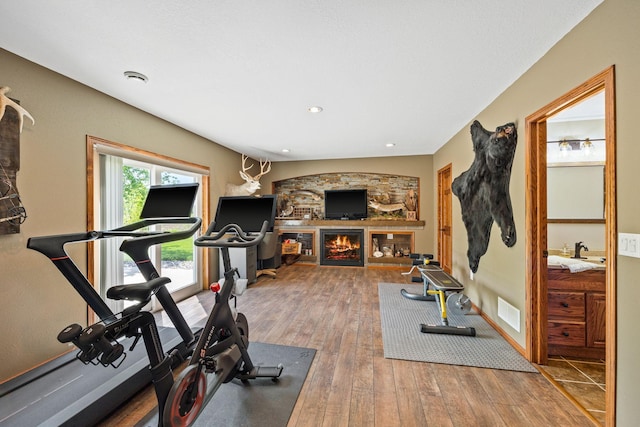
121,178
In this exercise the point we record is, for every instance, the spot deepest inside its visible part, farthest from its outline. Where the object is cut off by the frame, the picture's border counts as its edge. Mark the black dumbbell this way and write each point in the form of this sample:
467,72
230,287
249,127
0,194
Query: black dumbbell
72,334
94,336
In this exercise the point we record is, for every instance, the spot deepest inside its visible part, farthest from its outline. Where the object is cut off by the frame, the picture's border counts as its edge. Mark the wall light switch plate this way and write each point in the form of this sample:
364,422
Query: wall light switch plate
629,245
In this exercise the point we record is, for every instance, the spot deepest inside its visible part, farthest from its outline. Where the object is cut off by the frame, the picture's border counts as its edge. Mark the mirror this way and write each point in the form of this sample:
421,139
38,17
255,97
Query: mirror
575,162
575,192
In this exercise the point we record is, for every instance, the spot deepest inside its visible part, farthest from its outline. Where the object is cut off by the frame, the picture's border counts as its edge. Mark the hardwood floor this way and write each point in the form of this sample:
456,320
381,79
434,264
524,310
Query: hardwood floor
335,311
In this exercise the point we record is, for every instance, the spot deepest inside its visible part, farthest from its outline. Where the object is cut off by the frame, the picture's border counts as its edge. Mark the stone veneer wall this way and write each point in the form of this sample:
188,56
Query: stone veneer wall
308,191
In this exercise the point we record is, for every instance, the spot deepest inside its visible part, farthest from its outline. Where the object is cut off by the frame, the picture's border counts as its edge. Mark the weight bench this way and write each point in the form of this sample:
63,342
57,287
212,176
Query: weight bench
436,283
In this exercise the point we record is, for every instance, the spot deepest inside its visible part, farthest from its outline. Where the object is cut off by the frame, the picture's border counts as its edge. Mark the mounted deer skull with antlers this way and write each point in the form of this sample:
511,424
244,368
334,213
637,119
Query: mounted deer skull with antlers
252,183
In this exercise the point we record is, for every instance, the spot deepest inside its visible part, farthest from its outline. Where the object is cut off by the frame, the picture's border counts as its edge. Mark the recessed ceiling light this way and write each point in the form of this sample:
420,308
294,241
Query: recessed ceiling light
134,75
285,150
315,109
390,144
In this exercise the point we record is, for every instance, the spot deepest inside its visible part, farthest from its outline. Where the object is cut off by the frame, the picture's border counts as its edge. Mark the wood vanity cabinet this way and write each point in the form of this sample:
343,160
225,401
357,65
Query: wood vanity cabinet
576,309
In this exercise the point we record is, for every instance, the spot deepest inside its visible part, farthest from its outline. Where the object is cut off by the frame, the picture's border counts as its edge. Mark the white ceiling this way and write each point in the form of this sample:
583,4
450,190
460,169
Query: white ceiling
243,73
589,109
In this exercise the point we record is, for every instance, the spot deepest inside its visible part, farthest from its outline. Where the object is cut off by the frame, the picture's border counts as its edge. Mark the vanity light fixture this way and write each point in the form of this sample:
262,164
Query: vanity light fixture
587,147
315,109
574,149
135,76
564,147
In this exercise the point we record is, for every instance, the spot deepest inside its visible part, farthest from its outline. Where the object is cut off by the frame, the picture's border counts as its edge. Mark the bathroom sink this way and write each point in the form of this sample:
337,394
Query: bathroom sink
596,259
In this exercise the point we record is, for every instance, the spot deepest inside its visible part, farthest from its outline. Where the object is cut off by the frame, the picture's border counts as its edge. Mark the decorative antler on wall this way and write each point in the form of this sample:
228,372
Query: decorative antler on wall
252,183
6,102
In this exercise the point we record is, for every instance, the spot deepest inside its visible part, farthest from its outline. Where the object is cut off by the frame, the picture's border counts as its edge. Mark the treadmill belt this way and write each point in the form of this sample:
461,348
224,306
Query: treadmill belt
79,394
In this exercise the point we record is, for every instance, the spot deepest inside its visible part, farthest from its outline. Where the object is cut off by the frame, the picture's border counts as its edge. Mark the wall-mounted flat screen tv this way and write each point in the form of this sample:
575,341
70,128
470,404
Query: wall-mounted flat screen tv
169,201
345,204
248,212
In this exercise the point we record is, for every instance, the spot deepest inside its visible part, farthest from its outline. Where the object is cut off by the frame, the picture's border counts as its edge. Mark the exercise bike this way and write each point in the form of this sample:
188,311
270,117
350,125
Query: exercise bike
166,207
100,343
222,349
137,247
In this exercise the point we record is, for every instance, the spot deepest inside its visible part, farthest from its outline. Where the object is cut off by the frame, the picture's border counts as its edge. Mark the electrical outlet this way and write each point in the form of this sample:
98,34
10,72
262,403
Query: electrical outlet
629,245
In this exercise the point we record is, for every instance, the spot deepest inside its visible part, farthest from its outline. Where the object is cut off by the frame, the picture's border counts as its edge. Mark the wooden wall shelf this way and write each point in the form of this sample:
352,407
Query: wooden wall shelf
348,223
291,227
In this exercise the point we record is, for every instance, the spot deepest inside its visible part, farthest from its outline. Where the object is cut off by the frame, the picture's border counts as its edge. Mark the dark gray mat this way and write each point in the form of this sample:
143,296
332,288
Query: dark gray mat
402,339
259,402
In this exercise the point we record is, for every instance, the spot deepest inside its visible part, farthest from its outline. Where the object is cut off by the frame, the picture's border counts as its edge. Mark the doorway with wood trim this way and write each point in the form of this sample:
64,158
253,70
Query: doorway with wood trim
444,218
536,225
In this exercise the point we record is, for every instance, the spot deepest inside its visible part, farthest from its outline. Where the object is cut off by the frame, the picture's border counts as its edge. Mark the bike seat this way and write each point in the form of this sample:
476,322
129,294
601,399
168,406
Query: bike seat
137,291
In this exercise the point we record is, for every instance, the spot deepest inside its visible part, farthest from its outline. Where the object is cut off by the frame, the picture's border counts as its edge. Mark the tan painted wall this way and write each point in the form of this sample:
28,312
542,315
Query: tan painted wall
610,35
37,302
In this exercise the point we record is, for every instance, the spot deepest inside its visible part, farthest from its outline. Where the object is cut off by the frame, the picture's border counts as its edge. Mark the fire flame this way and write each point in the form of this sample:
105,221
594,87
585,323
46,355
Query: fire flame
340,246
343,242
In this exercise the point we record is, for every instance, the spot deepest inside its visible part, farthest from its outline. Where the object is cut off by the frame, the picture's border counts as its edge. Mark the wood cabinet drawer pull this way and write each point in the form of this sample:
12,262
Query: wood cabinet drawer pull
564,304
565,333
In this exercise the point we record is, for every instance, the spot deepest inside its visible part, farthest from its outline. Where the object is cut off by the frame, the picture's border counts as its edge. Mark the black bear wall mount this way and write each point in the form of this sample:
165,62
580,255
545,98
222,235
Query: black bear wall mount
483,189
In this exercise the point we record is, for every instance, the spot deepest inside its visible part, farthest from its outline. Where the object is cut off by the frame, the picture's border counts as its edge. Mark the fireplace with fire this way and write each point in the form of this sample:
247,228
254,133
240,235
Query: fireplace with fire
342,247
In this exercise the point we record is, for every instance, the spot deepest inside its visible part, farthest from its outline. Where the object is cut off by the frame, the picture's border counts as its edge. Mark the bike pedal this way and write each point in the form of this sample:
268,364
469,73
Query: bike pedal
263,372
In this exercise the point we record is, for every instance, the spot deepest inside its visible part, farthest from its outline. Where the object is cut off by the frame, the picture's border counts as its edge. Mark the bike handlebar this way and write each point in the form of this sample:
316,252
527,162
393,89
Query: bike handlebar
231,236
156,237
53,246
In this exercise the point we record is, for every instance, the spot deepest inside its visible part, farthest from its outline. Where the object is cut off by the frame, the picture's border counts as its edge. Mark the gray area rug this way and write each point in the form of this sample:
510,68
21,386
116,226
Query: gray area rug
402,339
259,402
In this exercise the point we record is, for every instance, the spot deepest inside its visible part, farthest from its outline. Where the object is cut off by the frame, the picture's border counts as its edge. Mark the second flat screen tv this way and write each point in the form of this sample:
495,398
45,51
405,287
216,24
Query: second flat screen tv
345,204
172,200
246,211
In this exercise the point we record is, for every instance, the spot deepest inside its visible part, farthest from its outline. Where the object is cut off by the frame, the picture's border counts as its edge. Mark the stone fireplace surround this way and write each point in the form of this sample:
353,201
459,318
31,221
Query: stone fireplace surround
306,193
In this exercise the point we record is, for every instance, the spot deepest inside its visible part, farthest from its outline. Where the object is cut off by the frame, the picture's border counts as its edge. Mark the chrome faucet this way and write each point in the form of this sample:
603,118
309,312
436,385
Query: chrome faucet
579,247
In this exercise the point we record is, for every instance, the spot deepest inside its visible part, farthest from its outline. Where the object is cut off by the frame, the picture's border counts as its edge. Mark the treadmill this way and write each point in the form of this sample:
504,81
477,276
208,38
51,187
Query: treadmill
65,391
